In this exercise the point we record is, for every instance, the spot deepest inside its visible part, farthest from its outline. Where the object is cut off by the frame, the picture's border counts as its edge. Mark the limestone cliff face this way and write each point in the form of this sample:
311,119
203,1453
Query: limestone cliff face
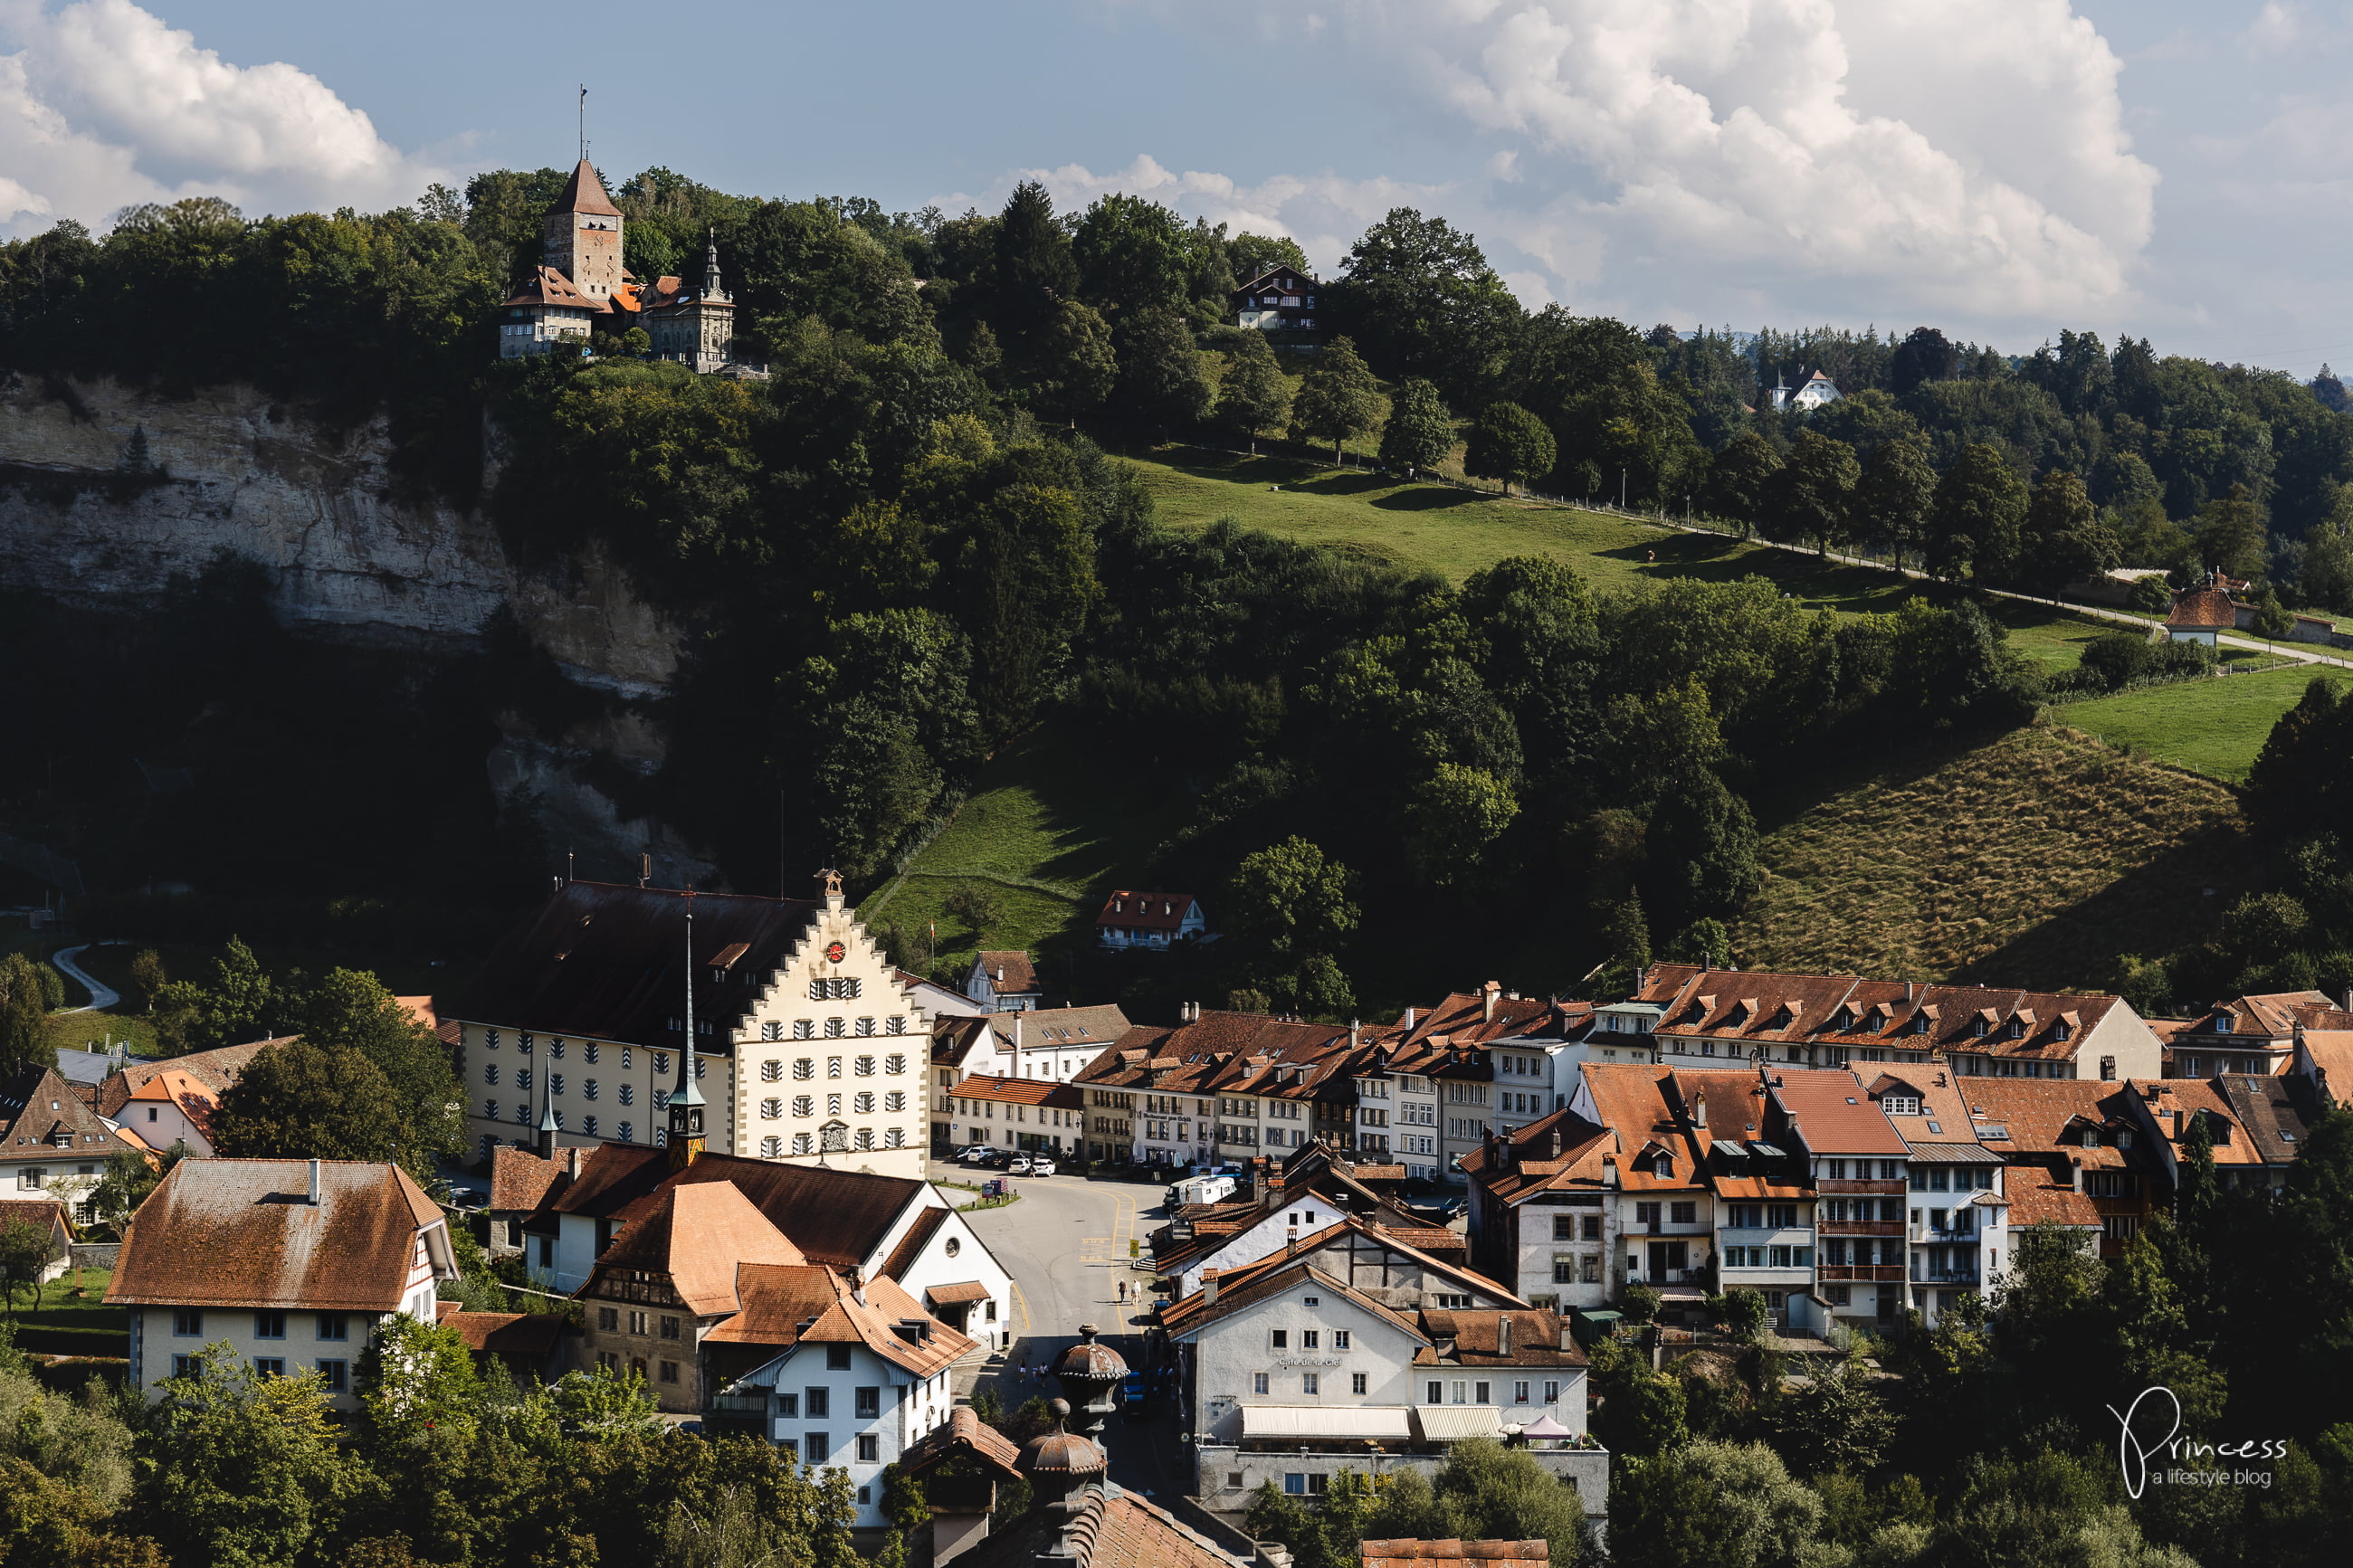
106,492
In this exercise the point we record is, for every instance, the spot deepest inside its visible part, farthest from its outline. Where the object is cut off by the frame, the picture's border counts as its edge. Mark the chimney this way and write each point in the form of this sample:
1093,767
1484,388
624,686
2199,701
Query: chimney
1907,993
1017,1033
1000,974
1502,1333
314,1184
1409,1017
1699,1111
1208,1286
2075,1169
1556,1140
1488,994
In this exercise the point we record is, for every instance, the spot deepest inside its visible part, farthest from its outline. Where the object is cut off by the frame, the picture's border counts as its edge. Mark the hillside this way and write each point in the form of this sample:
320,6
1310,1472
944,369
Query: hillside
2037,859
1454,532
2212,727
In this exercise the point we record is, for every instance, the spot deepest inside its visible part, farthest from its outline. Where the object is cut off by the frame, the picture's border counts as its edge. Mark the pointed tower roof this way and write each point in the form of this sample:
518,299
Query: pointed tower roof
585,193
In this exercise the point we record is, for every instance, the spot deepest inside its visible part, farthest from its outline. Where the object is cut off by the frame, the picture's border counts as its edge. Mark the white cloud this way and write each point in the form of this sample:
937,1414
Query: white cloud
103,105
1967,156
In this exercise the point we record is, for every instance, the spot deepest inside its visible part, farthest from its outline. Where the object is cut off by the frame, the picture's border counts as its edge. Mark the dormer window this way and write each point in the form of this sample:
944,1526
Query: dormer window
1979,1029
2223,1022
1919,1022
1900,1104
1665,1167
2091,1138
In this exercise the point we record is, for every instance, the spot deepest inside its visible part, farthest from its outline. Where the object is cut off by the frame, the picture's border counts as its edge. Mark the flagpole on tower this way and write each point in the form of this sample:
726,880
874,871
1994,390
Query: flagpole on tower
583,121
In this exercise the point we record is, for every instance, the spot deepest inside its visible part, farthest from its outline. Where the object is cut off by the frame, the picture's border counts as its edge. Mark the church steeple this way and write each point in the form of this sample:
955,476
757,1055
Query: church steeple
710,288
686,1101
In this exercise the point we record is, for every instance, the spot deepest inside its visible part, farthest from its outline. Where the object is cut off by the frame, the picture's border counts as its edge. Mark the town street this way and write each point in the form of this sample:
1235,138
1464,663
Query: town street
1067,1243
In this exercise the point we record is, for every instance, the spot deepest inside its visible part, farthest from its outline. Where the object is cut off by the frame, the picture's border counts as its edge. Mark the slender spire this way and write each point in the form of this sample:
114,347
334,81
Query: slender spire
686,1101
711,265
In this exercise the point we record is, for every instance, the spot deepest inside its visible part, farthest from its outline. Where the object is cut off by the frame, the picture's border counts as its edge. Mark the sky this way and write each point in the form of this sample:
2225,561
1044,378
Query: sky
2001,169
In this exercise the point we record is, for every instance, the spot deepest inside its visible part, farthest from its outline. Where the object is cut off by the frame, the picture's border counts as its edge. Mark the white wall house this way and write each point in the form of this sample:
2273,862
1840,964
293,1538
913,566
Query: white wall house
291,1264
863,1378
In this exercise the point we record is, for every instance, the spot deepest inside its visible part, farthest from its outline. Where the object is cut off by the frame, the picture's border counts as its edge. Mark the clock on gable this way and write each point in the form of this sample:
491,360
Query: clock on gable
835,953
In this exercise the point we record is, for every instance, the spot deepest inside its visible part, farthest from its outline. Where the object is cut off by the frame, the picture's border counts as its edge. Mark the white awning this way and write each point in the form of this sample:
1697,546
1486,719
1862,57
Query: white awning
1452,1423
1325,1421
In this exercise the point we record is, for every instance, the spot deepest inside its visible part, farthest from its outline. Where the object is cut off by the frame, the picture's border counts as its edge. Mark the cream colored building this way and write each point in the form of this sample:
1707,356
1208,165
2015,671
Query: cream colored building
809,1044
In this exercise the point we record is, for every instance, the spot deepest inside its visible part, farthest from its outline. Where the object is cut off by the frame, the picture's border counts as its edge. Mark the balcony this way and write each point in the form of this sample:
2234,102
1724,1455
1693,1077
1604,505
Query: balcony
1861,1273
1861,1226
1839,1189
1947,1276
1925,1234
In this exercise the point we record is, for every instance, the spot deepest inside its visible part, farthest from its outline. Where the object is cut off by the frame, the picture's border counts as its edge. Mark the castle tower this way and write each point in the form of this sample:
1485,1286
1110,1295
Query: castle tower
581,236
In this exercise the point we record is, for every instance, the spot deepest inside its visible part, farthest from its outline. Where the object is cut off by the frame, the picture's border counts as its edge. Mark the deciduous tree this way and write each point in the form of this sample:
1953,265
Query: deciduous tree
1894,499
1337,400
1975,519
1510,444
1255,394
1419,432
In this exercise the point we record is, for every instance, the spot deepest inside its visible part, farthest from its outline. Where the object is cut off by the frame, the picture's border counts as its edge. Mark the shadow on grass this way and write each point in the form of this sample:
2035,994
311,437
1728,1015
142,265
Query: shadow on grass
2160,908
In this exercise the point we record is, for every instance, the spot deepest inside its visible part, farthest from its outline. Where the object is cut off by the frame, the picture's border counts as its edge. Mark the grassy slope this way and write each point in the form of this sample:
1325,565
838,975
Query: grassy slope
2033,860
2084,853
1044,833
2213,727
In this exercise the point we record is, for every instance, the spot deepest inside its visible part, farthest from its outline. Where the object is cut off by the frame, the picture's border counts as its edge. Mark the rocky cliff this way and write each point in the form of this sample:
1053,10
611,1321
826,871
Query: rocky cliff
106,492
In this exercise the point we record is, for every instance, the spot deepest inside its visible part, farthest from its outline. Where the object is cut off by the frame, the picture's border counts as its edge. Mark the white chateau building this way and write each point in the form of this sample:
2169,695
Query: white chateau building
808,1045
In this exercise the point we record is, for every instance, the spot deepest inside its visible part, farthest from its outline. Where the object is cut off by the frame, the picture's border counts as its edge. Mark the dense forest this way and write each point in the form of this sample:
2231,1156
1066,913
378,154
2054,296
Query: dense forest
907,547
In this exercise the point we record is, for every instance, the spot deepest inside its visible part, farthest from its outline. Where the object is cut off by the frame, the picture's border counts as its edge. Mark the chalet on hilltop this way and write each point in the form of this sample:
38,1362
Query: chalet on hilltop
1279,297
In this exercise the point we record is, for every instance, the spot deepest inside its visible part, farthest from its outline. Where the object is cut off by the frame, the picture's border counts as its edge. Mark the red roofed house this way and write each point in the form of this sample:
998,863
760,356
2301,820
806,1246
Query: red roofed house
1150,920
292,1263
1004,982
1031,1115
52,1143
171,1108
2254,1033
2199,614
837,1370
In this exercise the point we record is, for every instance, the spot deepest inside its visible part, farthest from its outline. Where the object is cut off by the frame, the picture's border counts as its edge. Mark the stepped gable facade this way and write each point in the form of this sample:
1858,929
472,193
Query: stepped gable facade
806,1046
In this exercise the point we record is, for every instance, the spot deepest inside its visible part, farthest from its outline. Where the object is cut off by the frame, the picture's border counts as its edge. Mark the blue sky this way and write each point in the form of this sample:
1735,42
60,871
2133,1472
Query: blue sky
2002,168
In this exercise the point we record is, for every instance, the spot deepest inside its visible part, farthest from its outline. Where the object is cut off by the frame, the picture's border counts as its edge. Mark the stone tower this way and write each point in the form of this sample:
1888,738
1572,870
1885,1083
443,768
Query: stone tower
581,237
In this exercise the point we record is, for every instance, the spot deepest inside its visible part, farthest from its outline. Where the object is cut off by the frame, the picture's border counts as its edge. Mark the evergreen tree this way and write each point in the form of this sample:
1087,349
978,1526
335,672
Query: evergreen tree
1034,275
1419,432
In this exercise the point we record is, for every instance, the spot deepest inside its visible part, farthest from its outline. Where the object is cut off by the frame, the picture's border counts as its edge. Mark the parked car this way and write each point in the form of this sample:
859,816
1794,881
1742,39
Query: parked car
974,1153
1041,1166
1019,1166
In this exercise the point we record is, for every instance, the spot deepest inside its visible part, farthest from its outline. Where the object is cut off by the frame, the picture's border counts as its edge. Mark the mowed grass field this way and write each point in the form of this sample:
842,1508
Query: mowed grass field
2213,727
2033,859
1046,834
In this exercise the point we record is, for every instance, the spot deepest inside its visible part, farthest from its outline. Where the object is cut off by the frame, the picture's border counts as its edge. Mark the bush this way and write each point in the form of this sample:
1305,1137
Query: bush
2151,595
1639,1302
2122,659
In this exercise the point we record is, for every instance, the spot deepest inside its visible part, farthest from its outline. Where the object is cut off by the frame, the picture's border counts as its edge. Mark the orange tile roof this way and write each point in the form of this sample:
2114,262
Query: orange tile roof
696,1235
2049,1116
216,1070
2050,1203
2331,1051
2175,1103
45,1213
2202,609
784,1305
1006,1091
1831,1112
967,1432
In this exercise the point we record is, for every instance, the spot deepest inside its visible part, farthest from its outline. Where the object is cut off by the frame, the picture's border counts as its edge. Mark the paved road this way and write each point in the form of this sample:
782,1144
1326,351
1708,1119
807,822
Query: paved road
100,995
1068,1244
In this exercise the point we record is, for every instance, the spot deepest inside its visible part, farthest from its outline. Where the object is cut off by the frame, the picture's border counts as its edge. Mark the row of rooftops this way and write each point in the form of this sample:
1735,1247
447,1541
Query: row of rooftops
1744,1135
1848,1012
